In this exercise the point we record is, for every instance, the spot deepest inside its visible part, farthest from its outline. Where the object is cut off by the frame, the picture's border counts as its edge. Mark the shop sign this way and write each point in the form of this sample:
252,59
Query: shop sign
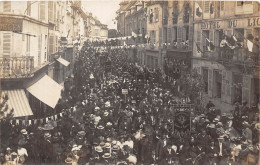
124,91
253,22
11,24
211,25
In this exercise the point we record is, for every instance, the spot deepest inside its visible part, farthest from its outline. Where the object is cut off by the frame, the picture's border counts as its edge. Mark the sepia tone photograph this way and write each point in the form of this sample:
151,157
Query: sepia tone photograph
129,82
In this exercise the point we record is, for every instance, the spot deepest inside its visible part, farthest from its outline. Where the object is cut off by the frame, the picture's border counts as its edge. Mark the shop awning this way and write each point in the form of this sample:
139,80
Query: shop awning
19,102
63,61
46,90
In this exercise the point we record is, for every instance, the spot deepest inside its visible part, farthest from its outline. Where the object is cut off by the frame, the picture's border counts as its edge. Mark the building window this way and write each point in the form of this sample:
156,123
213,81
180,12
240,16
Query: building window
205,79
206,6
222,5
42,11
174,34
7,38
185,33
218,36
156,14
152,36
205,35
29,3
7,6
217,86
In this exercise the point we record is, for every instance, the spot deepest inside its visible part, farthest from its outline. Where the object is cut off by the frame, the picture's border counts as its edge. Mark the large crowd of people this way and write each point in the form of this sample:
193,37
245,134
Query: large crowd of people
102,124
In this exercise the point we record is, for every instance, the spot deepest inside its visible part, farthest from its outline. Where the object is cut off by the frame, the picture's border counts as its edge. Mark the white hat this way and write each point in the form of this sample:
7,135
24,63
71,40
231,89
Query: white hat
23,131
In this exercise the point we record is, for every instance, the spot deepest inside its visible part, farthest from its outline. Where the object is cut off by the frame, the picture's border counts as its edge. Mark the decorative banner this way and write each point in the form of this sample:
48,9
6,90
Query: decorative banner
30,122
182,122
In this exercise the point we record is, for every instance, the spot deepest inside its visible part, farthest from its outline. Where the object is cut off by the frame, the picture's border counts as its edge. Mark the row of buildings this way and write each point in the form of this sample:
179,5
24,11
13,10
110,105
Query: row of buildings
188,34
39,41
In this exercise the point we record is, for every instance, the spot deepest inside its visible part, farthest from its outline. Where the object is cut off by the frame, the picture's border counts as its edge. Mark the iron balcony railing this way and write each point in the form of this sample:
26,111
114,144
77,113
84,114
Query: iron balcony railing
16,67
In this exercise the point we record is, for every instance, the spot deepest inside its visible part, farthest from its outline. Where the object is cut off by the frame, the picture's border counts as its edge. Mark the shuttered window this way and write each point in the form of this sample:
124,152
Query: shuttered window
210,83
54,12
174,34
39,49
50,7
7,6
169,35
179,35
206,6
222,3
156,14
7,36
198,38
51,44
42,11
211,38
29,8
160,35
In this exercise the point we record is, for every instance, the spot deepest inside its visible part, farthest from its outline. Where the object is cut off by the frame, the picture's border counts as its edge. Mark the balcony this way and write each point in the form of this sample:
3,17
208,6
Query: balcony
16,67
229,57
179,46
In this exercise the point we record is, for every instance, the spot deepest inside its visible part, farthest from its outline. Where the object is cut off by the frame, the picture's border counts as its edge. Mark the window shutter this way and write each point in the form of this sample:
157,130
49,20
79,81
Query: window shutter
169,34
54,11
216,38
56,44
198,37
179,35
50,11
183,33
224,86
228,86
160,35
222,5
42,11
206,6
174,34
245,89
39,49
29,3
7,36
51,44
210,82
7,6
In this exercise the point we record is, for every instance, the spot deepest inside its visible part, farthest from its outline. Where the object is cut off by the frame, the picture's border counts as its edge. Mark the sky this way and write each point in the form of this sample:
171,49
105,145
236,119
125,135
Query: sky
105,10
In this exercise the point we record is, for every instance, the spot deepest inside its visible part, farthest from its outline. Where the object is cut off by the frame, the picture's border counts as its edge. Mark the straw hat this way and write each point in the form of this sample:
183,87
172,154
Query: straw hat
100,127
98,149
8,149
47,135
106,113
106,155
24,132
97,108
115,147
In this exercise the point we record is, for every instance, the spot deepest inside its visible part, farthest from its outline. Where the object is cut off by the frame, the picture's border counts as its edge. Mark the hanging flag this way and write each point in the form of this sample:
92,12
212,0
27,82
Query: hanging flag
198,9
211,46
134,35
198,48
211,8
30,122
55,117
250,46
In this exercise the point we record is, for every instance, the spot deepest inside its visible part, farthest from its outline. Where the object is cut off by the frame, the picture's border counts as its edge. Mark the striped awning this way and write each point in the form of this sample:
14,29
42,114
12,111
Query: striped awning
19,102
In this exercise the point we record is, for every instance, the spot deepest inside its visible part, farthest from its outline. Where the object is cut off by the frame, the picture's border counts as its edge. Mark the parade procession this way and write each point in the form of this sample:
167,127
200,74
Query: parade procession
131,96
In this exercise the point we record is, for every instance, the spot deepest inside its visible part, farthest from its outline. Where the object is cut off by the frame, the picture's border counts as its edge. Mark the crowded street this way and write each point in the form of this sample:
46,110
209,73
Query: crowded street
102,124
126,82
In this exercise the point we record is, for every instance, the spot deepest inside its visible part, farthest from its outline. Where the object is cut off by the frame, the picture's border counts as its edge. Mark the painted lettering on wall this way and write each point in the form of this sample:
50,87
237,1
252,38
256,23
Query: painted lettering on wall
232,23
210,25
253,22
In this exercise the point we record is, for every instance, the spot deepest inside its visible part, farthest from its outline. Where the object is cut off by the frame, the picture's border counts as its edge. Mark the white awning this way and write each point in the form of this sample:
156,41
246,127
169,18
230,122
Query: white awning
18,101
46,90
63,61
